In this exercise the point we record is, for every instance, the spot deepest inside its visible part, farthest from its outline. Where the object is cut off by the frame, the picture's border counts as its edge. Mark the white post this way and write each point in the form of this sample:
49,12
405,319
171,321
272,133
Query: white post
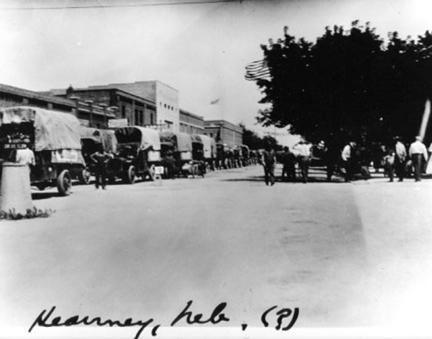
425,119
15,188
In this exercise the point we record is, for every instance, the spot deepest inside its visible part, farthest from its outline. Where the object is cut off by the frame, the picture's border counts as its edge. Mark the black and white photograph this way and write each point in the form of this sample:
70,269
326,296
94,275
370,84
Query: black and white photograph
215,169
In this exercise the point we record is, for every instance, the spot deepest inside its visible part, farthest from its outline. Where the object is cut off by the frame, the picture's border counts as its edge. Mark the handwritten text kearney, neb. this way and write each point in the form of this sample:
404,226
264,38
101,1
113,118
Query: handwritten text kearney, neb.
281,319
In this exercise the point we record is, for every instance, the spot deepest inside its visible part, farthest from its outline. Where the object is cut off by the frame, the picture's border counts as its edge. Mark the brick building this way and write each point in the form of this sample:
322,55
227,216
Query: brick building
89,113
224,131
162,95
137,110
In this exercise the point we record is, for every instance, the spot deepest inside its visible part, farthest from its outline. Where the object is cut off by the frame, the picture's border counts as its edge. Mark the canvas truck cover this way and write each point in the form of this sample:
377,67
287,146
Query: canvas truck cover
90,133
109,140
196,139
209,146
182,141
146,137
245,150
106,137
168,138
53,130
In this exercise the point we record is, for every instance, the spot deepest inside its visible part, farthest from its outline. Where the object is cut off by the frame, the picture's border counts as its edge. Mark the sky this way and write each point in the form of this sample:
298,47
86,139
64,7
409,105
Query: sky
200,49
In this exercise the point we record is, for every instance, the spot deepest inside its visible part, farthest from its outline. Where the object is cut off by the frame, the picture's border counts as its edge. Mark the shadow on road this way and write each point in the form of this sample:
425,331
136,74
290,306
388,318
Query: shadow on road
311,179
44,195
253,178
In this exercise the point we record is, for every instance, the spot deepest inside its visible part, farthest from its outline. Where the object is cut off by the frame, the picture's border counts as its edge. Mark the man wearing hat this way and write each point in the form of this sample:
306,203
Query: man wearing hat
347,156
418,154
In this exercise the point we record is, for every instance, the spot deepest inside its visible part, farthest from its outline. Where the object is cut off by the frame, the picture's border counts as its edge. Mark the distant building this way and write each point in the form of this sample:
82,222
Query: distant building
89,113
164,96
137,110
224,132
142,103
191,123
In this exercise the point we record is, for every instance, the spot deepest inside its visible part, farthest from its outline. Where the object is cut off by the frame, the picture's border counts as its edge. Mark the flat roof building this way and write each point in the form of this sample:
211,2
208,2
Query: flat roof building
162,95
224,131
191,123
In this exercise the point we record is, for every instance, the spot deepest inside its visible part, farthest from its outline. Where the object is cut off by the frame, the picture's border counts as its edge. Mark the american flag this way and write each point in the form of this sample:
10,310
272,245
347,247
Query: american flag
257,70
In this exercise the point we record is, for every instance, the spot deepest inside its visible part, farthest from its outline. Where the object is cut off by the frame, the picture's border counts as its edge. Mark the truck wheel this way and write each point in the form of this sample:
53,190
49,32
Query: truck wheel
85,176
64,183
131,175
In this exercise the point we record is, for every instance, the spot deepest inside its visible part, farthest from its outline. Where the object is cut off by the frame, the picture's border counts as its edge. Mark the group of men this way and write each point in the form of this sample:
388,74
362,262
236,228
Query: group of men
398,161
301,154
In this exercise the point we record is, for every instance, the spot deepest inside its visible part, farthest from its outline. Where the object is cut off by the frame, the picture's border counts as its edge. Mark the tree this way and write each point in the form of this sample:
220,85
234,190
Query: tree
253,141
269,141
349,83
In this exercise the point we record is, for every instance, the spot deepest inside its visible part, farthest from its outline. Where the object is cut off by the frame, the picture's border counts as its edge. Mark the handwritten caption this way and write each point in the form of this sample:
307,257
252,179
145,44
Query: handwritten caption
278,318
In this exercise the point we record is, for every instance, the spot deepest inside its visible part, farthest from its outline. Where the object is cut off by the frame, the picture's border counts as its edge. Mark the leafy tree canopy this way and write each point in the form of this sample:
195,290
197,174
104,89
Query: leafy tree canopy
349,83
253,141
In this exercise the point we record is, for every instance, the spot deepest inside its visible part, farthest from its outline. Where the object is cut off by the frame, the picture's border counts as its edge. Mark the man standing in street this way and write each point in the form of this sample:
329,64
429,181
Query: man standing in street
304,155
418,154
25,156
170,165
331,156
389,163
288,162
100,159
347,160
268,162
400,158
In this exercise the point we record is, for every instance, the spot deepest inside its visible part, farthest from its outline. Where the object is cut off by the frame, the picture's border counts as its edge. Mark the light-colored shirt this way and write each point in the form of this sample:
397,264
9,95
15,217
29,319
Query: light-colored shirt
25,156
400,150
303,150
417,147
346,153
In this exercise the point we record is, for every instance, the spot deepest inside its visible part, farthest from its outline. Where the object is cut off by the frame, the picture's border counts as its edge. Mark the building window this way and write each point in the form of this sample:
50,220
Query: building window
151,119
123,112
137,122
